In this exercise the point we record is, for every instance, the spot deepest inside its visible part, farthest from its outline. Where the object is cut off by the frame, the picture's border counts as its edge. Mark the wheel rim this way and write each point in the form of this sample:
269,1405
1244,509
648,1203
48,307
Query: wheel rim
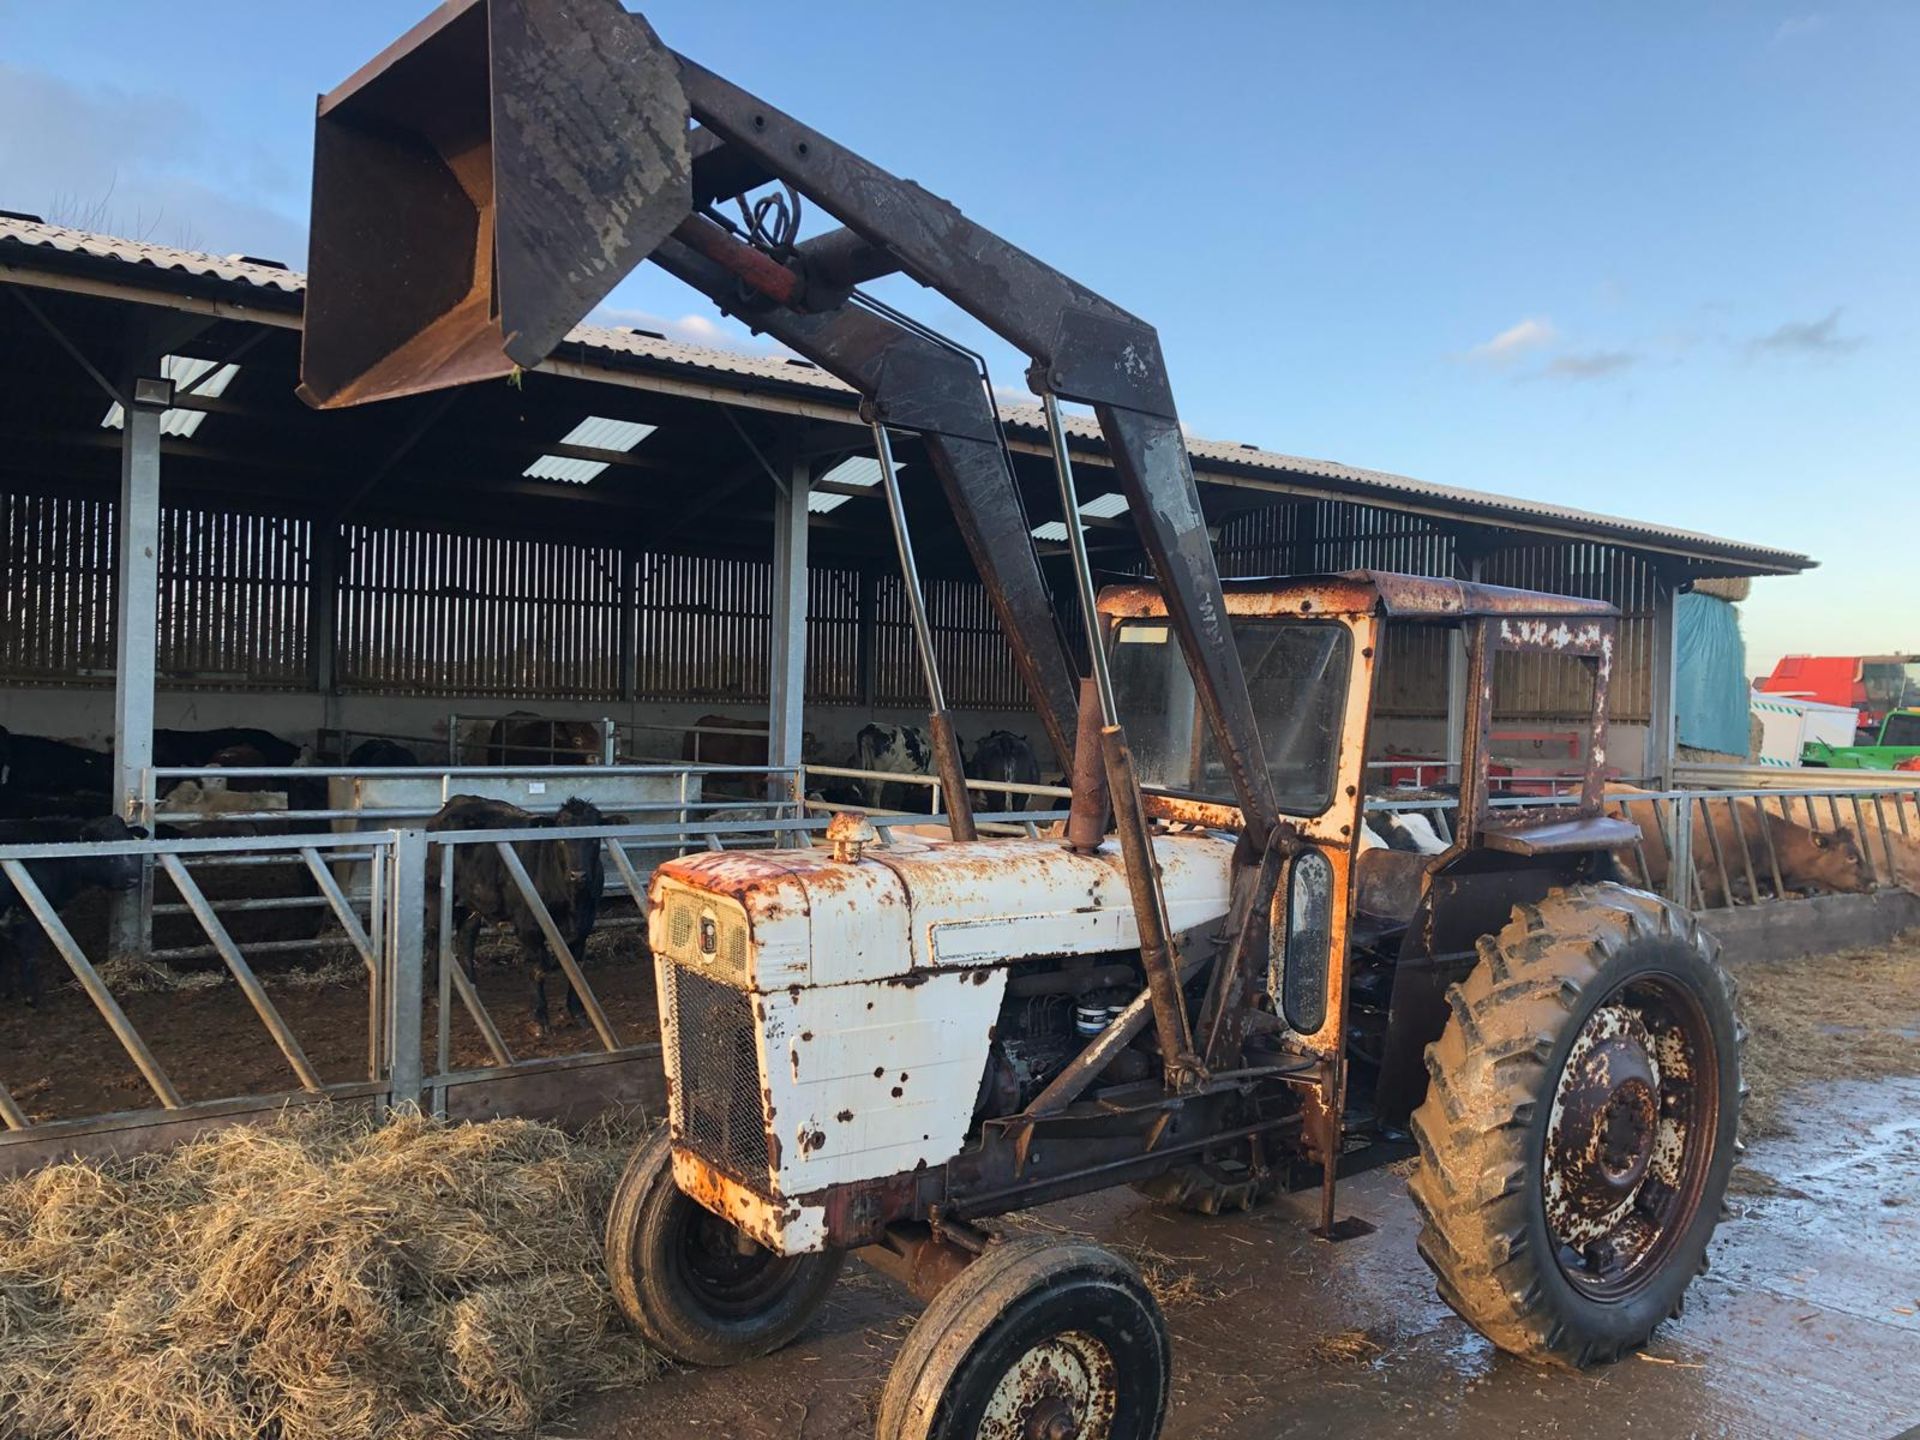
1064,1388
1630,1136
732,1277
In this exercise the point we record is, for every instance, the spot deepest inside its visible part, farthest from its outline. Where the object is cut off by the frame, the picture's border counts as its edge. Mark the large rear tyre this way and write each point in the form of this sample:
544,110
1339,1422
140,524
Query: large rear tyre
1579,1129
1036,1340
693,1285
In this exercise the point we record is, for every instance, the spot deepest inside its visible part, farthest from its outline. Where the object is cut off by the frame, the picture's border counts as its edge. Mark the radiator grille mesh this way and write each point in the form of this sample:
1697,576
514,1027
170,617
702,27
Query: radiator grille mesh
717,1105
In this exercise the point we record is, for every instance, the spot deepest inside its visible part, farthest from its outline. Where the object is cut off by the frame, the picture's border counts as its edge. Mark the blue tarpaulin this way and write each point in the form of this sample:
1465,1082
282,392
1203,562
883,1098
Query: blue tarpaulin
1710,683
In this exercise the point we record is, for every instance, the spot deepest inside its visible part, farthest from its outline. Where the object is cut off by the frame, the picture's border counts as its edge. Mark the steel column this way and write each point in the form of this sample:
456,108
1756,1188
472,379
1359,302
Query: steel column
787,640
1666,655
136,629
406,934
1457,688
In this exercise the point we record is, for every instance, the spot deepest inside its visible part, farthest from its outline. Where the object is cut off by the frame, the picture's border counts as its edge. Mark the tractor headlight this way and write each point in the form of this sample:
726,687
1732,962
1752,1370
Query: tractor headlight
1303,983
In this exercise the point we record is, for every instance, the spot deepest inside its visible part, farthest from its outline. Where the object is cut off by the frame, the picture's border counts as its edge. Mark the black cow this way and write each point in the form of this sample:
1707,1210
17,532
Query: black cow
22,941
568,876
523,738
1007,758
39,768
191,749
381,754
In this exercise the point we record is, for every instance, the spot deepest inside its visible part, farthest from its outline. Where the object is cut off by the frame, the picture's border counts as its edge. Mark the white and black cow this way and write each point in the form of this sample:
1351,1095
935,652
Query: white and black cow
1008,759
896,750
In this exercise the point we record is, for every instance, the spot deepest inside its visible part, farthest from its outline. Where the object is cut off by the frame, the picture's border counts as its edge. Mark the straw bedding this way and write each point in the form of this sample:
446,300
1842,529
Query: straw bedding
320,1279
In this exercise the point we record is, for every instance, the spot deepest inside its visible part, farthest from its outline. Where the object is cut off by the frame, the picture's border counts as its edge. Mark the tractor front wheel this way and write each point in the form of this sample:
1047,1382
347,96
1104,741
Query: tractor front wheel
692,1284
1580,1125
1036,1340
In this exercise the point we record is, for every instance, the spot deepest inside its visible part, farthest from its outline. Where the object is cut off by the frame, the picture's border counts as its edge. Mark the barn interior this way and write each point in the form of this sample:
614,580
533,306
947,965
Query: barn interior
639,529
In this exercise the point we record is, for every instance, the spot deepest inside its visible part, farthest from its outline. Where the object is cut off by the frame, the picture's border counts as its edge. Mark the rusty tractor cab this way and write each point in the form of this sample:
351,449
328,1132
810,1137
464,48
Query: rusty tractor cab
1211,986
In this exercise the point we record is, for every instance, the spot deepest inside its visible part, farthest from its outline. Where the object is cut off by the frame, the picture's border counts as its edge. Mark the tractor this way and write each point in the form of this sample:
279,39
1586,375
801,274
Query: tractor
1209,986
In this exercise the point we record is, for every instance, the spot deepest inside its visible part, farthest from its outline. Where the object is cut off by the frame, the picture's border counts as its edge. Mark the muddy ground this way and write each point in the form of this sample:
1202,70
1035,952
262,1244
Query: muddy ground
1807,1324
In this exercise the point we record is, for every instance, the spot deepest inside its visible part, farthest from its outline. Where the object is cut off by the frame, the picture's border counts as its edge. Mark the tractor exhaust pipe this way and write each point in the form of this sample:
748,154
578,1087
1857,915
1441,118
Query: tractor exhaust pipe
480,186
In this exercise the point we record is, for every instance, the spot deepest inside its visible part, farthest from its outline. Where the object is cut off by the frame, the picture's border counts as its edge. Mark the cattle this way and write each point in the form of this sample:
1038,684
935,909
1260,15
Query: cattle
22,940
1811,861
523,738
194,749
381,755
37,765
896,750
1411,831
731,740
567,875
1007,758
725,740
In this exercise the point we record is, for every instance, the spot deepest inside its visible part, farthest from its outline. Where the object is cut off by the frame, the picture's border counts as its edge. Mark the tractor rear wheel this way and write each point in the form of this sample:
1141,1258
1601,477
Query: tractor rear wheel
692,1284
1580,1125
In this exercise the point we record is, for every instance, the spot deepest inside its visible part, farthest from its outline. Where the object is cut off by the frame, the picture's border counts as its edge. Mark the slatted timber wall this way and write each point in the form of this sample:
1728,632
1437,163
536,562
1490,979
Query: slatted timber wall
56,602
703,627
976,667
1315,537
1552,688
429,613
233,595
234,598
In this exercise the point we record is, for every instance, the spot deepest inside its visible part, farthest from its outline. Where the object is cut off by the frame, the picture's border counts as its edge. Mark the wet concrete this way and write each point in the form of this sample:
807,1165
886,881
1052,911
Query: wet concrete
1807,1323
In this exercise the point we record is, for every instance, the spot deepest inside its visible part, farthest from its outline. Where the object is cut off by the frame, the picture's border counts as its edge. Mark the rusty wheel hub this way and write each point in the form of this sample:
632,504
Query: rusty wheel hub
1065,1388
1626,1137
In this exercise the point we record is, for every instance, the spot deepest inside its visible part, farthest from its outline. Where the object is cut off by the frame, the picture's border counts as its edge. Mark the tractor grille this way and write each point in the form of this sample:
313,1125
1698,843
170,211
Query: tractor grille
717,1105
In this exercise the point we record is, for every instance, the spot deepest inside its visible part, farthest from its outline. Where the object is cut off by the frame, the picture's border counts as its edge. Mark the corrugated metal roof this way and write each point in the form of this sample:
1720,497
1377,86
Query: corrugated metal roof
237,269
1210,456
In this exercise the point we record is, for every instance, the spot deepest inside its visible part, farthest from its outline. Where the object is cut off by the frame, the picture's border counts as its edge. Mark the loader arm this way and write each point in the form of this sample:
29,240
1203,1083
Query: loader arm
1083,347
489,178
910,382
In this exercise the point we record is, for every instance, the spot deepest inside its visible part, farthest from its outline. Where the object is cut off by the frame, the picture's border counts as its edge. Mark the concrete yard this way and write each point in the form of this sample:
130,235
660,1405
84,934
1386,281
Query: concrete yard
1806,1325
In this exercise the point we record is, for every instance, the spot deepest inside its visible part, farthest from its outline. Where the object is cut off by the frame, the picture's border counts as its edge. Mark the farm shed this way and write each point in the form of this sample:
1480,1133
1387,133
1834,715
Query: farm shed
640,528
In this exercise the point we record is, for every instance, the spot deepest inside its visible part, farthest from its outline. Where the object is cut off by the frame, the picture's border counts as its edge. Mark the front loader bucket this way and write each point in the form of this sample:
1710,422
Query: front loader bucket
480,186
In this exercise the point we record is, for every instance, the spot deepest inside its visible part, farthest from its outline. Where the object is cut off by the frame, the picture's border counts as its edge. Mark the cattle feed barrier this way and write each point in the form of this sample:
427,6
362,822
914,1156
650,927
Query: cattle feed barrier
410,1063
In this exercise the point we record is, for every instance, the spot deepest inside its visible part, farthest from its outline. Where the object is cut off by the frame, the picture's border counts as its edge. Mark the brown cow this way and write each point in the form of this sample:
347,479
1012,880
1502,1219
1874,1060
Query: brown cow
1889,842
1811,861
708,743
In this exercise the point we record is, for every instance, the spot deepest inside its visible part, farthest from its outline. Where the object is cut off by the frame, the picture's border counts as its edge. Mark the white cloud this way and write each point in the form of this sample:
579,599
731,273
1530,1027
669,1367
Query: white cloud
1515,341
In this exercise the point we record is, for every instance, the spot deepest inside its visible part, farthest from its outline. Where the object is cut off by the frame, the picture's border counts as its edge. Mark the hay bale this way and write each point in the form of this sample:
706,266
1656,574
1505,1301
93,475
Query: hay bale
320,1279
1731,589
1815,1019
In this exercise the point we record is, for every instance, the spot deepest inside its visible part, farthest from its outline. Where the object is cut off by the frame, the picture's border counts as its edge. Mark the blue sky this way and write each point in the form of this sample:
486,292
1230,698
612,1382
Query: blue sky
1653,259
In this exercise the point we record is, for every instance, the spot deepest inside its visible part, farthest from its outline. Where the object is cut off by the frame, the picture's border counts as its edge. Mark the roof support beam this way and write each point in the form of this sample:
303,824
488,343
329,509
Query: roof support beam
787,632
